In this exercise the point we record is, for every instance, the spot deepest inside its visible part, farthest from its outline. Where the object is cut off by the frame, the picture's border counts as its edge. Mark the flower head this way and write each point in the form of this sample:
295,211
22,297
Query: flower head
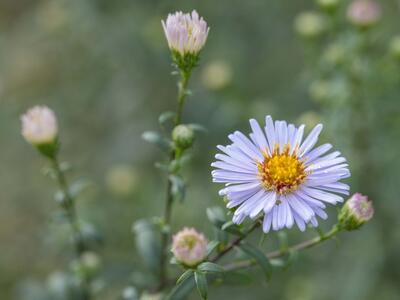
356,211
39,126
185,33
189,247
276,174
364,13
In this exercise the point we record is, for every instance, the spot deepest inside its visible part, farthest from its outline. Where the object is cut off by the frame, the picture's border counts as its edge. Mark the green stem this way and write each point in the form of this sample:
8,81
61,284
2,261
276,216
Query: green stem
68,205
182,93
235,242
278,253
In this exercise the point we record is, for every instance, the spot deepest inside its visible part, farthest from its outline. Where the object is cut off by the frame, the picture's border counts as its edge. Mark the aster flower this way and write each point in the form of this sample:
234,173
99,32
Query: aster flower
356,211
39,126
185,33
276,174
189,247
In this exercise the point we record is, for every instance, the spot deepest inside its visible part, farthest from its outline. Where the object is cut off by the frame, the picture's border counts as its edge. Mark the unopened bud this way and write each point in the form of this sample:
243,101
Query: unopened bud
355,212
39,128
189,247
183,136
364,13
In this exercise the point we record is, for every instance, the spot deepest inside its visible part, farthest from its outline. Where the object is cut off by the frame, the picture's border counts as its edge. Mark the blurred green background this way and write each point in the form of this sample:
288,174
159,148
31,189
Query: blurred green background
104,67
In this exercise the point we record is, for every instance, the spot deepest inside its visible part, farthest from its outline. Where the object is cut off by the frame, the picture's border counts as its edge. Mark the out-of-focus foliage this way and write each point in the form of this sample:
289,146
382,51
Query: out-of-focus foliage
104,67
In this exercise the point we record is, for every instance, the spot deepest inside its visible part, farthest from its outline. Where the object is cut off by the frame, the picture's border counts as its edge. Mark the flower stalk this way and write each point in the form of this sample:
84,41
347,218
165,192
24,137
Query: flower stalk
68,205
182,93
279,253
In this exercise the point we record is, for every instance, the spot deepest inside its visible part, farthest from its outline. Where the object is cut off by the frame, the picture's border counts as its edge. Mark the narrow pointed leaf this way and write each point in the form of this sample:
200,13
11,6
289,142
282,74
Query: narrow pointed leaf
187,274
209,267
211,246
201,284
259,256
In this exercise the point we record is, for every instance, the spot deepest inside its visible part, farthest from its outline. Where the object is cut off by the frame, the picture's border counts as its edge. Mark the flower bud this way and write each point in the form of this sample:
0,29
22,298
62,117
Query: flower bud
394,47
183,136
355,212
310,24
364,13
186,35
39,128
189,247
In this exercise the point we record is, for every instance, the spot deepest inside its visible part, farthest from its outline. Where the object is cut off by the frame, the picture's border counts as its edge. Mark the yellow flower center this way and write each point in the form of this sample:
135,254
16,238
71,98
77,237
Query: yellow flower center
282,172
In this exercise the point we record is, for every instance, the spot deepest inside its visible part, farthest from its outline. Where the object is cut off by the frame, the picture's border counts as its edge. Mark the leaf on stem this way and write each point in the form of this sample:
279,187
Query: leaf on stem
259,256
181,291
211,246
231,228
216,216
178,187
187,274
166,116
201,284
157,139
209,267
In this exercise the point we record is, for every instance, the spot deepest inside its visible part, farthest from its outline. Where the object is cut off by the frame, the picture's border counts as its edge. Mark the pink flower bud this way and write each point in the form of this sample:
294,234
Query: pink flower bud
356,211
39,126
364,13
189,247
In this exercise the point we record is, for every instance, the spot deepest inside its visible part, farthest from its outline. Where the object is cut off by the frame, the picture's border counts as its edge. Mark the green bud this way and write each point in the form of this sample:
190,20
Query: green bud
183,136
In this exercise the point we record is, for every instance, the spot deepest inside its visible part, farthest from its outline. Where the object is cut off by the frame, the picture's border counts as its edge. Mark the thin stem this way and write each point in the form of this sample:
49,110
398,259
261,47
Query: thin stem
278,253
235,242
182,93
68,205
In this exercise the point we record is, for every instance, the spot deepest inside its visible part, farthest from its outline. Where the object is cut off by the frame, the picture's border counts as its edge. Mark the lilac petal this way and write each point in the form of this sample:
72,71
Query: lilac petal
270,133
310,141
317,152
229,167
259,136
299,221
267,222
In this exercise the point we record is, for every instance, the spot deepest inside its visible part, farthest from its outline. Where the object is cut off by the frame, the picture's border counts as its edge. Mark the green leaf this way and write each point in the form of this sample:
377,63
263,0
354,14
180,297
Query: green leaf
181,291
293,256
79,186
166,116
147,240
157,139
197,127
178,187
216,215
231,228
211,246
209,267
201,284
259,256
187,274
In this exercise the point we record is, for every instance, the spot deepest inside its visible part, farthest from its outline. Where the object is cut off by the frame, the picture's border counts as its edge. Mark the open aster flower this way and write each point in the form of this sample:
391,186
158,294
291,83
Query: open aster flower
277,174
